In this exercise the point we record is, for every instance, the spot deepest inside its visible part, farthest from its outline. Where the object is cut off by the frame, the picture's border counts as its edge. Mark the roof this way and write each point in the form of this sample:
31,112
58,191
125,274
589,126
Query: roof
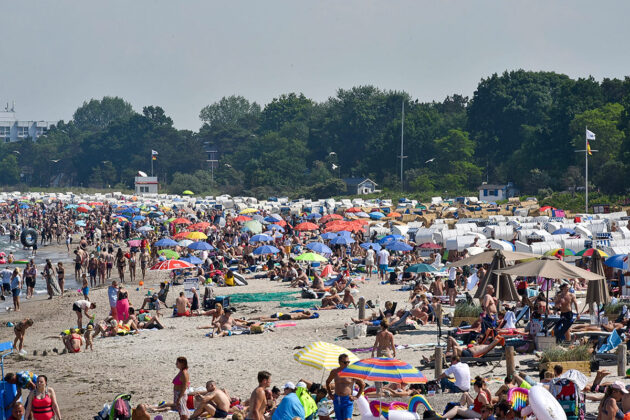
491,187
357,181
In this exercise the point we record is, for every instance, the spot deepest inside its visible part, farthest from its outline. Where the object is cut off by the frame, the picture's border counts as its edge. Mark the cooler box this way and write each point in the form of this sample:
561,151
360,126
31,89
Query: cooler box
223,300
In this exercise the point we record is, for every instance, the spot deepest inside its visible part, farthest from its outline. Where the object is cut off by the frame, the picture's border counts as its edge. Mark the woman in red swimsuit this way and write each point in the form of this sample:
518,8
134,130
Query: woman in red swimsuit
181,382
43,405
483,398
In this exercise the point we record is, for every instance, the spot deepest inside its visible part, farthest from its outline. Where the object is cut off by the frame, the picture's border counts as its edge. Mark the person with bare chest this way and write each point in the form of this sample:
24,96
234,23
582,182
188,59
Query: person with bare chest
562,303
343,400
258,399
384,343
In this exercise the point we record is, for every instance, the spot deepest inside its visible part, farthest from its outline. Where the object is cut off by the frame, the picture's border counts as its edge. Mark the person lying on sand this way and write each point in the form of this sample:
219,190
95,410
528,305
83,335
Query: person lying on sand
286,317
471,351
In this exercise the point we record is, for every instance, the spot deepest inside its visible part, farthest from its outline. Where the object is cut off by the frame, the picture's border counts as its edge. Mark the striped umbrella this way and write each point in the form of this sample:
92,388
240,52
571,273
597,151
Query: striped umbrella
322,355
382,369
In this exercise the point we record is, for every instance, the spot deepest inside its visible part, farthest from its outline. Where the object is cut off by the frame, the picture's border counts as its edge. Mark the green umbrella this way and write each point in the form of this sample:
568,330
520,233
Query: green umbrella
311,256
169,254
188,192
253,226
421,268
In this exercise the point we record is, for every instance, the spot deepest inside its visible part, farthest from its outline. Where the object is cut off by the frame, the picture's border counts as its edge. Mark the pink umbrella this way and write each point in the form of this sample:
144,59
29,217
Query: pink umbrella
135,242
172,265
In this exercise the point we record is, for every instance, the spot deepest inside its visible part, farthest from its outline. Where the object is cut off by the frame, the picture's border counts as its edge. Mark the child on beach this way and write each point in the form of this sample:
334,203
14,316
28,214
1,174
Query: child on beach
85,287
20,329
88,337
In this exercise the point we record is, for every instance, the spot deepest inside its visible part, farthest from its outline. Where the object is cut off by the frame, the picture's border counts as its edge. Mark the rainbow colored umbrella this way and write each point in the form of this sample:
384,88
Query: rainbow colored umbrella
588,252
383,369
560,252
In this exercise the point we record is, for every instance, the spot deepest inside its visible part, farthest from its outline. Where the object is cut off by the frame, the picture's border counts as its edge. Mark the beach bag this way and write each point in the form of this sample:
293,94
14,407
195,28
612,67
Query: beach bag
121,408
308,294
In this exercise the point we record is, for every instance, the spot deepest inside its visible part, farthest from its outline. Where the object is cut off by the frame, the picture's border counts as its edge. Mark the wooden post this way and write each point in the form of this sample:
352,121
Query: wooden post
509,360
438,362
361,308
621,360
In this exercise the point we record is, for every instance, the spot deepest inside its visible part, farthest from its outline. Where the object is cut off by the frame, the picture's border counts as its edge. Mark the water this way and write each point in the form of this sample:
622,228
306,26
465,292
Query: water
54,253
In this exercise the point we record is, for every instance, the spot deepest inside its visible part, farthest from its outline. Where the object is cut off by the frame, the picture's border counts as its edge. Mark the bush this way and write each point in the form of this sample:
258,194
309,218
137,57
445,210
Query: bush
560,354
464,310
613,308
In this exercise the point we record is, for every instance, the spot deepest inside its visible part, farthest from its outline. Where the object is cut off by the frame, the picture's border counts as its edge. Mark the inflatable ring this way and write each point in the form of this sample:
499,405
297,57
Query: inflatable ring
28,237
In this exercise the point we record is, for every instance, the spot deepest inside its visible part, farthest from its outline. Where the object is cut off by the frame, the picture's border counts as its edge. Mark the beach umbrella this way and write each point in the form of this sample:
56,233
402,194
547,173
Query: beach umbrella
80,223
390,238
135,242
201,246
330,217
83,209
551,269
261,238
181,221
172,265
394,214
329,235
266,249
138,218
185,242
70,206
195,236
353,210
362,214
560,252
319,247
421,268
258,218
248,211
199,226
306,226
119,219
145,228
503,284
155,214
166,242
597,290
617,261
181,235
242,219
486,257
272,219
342,240
253,226
366,245
345,233
545,208
314,216
588,252
383,369
311,257
276,227
192,259
323,355
563,231
188,192
168,253
398,246
430,245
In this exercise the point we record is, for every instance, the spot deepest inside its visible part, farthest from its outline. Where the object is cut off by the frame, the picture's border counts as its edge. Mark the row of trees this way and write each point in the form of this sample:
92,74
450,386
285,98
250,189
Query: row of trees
519,126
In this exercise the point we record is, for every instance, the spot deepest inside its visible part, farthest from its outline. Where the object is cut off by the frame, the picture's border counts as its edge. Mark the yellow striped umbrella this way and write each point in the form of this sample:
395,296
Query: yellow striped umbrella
196,236
322,355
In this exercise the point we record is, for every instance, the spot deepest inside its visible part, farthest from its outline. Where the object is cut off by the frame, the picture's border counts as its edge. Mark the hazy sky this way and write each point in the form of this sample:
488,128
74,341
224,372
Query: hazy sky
185,54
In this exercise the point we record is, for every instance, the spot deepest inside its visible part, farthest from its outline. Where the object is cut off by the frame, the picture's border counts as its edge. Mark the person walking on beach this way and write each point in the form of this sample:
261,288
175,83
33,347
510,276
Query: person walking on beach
112,295
132,267
181,382
383,263
343,400
369,260
43,403
258,399
61,276
6,274
48,277
120,264
30,277
144,260
16,288
77,264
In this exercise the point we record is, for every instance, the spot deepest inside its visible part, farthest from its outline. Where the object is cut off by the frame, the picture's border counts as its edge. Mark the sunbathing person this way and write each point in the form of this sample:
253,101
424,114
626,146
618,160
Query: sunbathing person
215,313
477,350
183,305
72,341
135,324
318,284
287,317
213,403
331,301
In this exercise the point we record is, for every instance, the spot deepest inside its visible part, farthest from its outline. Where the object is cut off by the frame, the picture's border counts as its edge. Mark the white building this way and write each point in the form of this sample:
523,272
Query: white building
11,129
146,185
494,192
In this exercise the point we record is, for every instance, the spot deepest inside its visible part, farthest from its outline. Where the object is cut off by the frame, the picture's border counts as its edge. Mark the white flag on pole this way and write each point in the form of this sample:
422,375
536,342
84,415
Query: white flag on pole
590,135
154,153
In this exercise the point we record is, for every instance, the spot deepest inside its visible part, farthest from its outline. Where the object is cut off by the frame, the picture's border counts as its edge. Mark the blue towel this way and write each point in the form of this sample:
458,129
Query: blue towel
613,341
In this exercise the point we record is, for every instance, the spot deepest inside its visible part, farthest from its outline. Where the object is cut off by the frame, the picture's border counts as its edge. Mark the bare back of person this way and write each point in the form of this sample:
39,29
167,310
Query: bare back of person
181,304
384,344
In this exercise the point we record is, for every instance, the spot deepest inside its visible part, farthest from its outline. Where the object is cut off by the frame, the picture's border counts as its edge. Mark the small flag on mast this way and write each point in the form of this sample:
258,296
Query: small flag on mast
590,135
154,154
588,148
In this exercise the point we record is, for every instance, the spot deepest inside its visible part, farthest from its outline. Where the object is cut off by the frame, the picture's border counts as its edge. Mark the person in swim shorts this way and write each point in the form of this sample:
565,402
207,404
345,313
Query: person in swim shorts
343,398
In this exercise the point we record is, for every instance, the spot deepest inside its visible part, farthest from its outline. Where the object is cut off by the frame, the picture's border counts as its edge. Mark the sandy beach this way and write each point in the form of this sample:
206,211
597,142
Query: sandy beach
144,364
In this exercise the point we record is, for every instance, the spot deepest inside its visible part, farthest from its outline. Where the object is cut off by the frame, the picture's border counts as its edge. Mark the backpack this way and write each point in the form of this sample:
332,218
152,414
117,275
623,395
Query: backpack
121,408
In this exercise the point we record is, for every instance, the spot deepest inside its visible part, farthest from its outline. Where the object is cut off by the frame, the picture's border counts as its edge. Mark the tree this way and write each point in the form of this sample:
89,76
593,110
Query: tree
9,170
229,111
98,114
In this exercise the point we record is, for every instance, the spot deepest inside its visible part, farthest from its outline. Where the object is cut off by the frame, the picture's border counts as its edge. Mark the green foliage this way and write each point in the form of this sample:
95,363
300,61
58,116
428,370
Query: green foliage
230,111
464,310
9,170
200,182
573,354
613,308
97,114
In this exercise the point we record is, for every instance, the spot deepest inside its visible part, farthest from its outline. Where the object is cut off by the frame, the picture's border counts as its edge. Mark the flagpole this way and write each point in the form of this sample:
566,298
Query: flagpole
586,171
152,163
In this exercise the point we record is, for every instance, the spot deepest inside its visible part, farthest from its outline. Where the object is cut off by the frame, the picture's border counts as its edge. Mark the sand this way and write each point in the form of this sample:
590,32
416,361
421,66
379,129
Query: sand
144,364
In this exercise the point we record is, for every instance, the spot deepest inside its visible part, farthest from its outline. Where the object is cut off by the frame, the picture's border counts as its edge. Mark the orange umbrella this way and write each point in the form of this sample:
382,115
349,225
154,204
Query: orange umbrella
306,226
199,226
181,235
394,214
242,219
353,210
330,217
182,221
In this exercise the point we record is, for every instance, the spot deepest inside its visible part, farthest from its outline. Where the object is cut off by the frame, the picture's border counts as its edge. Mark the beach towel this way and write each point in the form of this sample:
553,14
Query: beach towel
302,304
613,341
263,297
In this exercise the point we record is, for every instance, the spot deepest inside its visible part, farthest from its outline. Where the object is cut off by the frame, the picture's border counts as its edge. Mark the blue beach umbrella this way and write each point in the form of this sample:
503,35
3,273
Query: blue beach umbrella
342,240
201,246
398,246
366,245
166,242
319,247
266,249
192,259
328,236
261,238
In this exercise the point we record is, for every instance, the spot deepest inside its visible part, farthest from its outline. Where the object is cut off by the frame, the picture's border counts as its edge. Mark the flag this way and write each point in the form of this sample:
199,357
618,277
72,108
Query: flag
588,148
154,154
590,135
